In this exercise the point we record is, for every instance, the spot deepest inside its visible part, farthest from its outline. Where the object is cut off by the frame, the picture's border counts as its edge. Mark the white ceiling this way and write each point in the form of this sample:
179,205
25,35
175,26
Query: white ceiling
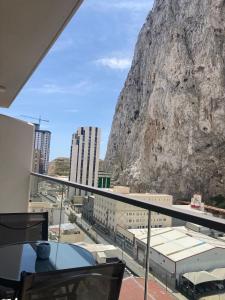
28,28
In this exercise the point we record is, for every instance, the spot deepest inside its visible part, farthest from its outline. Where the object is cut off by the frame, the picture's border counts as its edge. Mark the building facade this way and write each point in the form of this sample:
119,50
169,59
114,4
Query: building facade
36,160
175,251
84,159
88,209
42,147
56,213
104,180
111,214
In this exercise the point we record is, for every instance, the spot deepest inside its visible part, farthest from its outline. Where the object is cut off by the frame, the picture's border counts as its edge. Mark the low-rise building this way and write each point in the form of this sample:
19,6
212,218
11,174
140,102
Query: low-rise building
102,253
111,214
76,203
56,214
176,251
69,233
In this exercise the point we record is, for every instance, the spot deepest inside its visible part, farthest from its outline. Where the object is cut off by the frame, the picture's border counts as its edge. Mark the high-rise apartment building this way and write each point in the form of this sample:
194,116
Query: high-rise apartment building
42,146
84,159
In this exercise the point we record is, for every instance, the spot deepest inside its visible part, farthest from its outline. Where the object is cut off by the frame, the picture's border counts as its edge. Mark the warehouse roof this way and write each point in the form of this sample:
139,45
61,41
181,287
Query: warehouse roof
190,252
200,277
219,273
177,243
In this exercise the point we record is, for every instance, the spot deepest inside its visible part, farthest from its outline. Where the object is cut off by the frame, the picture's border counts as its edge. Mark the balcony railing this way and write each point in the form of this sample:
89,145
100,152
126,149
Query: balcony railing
168,250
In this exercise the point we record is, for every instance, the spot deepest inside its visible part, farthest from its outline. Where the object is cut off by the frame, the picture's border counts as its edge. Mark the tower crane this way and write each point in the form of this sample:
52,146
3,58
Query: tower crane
39,119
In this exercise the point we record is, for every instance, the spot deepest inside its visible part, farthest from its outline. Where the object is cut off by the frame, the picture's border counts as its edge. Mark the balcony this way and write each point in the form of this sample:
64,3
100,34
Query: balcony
170,253
185,259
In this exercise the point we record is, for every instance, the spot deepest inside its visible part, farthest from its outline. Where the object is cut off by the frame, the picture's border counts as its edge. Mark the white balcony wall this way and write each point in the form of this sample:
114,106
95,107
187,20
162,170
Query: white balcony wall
16,150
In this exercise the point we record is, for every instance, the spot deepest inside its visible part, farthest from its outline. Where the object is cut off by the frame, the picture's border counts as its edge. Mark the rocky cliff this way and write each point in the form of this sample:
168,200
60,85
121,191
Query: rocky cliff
168,131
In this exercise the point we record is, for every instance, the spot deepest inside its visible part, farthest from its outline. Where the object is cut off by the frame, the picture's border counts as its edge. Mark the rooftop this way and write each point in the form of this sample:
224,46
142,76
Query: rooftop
188,207
204,276
177,243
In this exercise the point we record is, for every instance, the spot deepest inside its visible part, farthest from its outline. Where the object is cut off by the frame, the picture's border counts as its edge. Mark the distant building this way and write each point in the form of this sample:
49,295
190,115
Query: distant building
84,159
69,233
196,201
36,160
101,252
42,149
76,203
111,214
104,180
190,208
56,214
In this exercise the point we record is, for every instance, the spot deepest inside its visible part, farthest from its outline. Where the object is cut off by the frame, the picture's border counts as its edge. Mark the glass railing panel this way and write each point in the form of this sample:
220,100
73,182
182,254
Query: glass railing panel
106,227
184,260
46,195
187,259
100,224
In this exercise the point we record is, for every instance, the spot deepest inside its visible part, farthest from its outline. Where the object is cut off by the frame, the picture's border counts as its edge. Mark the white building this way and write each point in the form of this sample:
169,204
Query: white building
42,145
101,252
175,251
84,159
112,214
55,212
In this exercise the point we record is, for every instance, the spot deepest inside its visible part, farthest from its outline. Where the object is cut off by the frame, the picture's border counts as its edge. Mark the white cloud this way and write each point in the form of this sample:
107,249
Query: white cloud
51,88
114,63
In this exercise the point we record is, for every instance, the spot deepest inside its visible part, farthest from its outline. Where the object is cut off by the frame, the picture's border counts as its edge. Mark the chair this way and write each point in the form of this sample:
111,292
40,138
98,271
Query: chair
21,227
100,282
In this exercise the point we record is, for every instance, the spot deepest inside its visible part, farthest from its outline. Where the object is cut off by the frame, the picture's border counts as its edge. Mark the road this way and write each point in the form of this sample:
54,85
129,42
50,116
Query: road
98,237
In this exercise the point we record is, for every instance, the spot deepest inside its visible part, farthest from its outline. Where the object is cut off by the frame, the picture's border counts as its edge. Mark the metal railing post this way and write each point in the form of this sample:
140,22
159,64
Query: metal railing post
60,216
147,257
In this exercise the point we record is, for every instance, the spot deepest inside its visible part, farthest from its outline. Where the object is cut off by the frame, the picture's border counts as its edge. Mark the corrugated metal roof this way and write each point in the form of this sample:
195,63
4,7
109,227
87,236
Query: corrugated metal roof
157,240
154,231
190,252
200,277
173,235
219,273
204,276
178,243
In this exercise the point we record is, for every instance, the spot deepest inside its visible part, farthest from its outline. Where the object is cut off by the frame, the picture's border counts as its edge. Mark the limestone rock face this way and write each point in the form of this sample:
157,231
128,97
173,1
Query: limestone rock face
168,131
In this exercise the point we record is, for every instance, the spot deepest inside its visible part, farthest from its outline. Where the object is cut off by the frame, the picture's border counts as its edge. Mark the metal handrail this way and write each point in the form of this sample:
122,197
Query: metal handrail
189,216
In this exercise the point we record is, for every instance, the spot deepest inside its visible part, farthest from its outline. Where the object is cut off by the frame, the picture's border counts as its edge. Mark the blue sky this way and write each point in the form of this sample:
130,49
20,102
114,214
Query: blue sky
79,81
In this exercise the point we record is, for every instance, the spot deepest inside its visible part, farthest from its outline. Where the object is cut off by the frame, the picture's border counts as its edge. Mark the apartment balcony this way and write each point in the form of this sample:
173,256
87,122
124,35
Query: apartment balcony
186,259
163,262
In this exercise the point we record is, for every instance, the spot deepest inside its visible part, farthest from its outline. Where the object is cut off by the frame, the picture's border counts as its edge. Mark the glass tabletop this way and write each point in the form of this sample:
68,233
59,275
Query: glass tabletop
23,257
